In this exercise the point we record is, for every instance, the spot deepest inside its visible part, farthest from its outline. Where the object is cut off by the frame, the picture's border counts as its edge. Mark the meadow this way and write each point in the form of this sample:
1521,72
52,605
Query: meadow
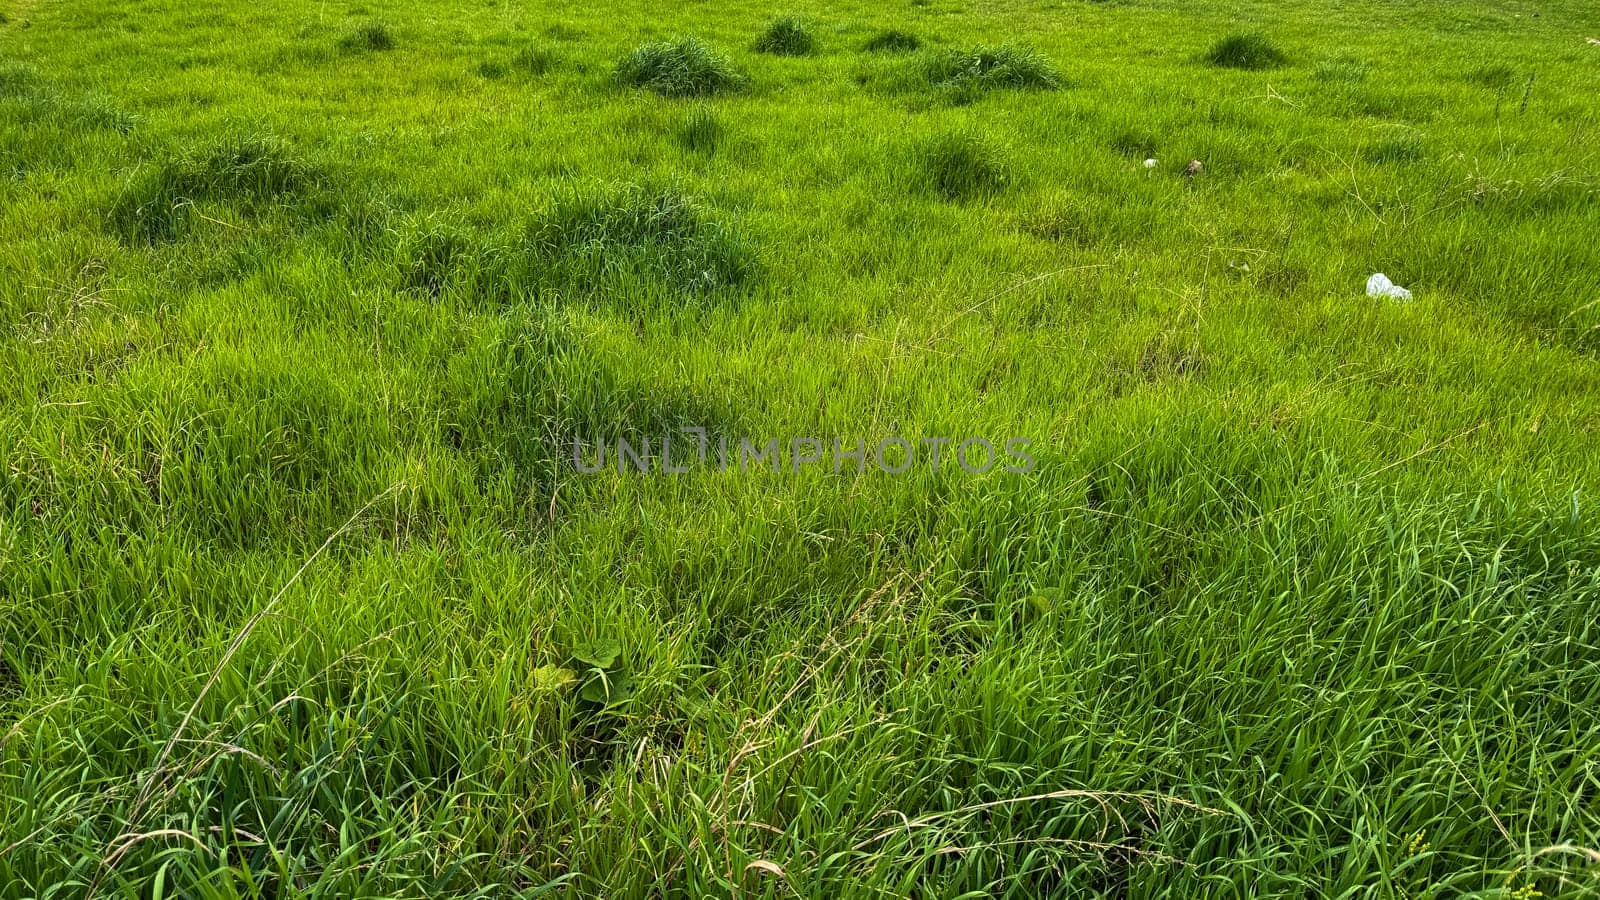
303,304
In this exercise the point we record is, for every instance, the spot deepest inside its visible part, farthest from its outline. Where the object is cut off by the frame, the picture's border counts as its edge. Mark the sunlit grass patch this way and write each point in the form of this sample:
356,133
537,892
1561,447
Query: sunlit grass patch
1344,69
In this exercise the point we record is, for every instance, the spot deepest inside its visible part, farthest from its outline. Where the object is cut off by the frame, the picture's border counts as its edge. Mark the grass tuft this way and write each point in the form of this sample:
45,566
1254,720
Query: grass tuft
1403,149
96,111
1065,220
1344,69
1134,143
248,172
787,36
531,61
249,168
433,257
700,132
1498,77
892,40
962,165
17,80
1246,51
662,234
37,101
678,68
534,60
367,38
965,75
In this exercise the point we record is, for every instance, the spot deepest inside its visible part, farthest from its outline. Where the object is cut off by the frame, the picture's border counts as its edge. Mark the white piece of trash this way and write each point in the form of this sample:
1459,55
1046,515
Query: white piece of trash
1150,164
1379,285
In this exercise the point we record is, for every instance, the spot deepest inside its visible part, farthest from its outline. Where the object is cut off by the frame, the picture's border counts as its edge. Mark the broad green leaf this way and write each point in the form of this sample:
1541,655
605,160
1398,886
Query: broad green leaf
600,653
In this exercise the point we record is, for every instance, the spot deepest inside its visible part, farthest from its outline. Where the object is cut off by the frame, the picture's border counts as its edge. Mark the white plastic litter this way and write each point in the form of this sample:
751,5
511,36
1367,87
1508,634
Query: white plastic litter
1150,164
1379,285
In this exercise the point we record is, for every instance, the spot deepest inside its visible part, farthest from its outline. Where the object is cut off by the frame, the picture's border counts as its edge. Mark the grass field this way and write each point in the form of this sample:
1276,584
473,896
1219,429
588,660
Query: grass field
303,303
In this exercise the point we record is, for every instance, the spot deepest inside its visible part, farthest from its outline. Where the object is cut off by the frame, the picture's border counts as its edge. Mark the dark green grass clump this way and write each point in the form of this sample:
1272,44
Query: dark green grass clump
249,172
492,69
534,60
1498,77
962,165
1246,51
1134,143
661,234
967,74
366,38
1405,149
787,36
679,68
17,80
629,241
34,101
701,132
433,257
892,40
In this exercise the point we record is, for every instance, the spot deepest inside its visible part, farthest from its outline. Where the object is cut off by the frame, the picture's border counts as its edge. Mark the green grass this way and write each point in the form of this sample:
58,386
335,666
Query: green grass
661,234
991,68
962,165
248,171
535,60
680,68
787,36
368,37
301,595
892,40
1246,51
701,131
